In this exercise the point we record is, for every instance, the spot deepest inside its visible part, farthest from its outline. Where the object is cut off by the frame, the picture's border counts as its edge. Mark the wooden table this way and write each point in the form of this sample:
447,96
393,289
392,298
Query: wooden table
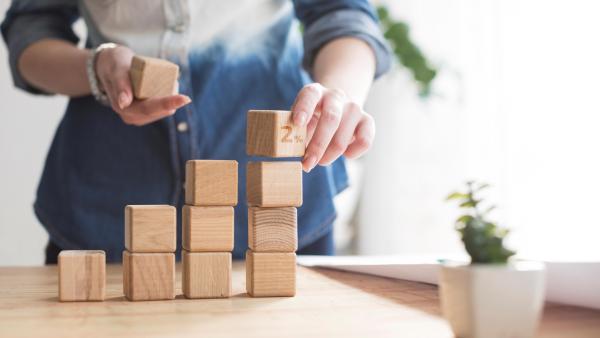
328,304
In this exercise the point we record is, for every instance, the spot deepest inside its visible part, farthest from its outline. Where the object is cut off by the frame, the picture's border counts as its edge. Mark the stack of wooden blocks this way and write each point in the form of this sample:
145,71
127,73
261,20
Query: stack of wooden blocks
208,223
274,190
149,258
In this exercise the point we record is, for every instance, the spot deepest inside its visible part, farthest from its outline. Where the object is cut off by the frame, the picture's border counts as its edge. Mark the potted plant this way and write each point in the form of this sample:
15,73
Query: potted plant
494,296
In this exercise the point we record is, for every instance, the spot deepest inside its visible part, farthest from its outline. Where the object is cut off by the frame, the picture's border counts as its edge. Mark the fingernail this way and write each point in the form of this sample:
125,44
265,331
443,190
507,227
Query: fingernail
186,99
311,161
122,100
301,118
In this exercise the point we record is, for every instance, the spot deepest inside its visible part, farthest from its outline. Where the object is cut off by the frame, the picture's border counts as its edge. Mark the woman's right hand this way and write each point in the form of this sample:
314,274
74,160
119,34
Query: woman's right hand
112,69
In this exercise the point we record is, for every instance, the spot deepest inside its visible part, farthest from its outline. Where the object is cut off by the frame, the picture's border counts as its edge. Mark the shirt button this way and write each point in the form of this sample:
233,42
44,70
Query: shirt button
182,127
179,28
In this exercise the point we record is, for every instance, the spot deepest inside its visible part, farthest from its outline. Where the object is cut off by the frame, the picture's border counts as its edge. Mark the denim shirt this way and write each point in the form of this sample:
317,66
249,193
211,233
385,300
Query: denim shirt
233,56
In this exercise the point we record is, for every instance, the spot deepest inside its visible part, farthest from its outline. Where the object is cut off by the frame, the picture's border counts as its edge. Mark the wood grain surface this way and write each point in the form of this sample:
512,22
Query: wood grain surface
271,133
327,304
82,275
207,229
206,274
272,229
270,274
211,182
148,276
152,77
150,228
274,184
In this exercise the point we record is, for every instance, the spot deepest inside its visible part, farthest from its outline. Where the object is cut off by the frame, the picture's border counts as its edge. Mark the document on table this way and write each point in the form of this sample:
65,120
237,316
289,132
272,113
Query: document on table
574,283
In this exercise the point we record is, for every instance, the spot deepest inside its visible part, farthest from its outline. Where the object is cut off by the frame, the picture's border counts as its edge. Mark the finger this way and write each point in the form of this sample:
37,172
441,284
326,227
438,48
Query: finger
122,89
311,126
363,138
150,110
306,103
138,119
152,105
344,134
111,93
329,120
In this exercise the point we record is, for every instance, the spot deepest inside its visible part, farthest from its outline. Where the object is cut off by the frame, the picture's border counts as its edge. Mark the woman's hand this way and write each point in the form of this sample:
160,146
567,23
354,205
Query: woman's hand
112,69
335,125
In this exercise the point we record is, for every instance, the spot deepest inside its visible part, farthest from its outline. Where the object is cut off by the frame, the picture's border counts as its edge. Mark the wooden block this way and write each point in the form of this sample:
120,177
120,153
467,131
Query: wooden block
271,133
151,77
274,184
207,228
206,274
81,275
148,276
270,274
272,229
150,228
211,182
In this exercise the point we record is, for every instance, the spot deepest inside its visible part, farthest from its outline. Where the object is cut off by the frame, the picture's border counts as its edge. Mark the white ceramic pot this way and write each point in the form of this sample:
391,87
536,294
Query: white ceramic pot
493,300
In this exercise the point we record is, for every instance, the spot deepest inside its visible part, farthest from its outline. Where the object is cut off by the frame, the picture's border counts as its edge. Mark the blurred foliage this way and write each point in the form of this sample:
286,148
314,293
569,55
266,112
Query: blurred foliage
407,53
483,240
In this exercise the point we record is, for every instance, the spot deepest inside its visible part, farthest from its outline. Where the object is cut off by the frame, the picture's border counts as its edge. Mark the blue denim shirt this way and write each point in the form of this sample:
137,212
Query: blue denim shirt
97,164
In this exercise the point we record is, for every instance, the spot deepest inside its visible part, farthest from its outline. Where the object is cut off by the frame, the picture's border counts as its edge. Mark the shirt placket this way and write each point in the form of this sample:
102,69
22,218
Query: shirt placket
175,49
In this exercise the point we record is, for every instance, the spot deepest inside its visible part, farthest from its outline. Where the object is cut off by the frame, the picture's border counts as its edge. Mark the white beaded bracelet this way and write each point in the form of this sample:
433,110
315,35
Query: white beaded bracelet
91,73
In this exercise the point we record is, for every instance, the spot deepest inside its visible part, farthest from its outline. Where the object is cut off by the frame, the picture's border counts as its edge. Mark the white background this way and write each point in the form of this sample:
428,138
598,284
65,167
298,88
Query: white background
516,105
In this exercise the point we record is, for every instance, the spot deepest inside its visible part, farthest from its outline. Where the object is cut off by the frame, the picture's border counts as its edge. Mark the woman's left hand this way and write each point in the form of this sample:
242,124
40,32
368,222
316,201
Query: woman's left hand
335,125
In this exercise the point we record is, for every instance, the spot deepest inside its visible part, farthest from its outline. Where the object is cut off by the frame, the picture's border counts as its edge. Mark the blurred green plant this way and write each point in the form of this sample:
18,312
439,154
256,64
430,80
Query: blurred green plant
483,239
407,53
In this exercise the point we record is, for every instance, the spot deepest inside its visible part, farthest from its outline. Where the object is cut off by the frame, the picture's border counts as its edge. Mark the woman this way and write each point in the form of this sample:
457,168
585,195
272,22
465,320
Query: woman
111,150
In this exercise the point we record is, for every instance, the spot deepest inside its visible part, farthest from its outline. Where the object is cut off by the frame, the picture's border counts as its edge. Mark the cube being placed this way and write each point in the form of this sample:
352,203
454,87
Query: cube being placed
148,276
274,184
272,229
207,228
150,228
82,275
151,77
272,133
270,274
211,182
206,274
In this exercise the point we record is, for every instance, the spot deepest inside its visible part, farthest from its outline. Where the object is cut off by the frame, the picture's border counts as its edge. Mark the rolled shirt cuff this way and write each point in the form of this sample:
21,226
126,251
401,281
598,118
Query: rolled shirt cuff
26,29
346,23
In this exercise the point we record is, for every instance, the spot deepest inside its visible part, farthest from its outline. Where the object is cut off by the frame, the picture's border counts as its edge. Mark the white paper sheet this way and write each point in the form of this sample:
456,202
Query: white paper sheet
574,283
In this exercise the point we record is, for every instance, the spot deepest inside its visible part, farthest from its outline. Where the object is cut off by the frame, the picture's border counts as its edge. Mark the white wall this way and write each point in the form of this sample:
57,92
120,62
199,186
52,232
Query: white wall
26,130
517,107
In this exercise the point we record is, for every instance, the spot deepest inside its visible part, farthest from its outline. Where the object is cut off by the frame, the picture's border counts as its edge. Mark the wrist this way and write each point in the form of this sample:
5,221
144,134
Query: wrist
92,73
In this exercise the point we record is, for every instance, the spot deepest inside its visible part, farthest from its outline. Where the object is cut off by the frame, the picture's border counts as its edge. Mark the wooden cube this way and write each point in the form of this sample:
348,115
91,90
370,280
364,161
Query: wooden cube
150,228
270,274
272,133
211,182
274,184
151,77
81,275
206,274
272,229
207,228
148,276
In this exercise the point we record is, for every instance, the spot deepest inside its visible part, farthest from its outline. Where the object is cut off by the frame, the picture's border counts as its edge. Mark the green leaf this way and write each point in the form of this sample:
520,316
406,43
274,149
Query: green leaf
468,204
456,195
464,219
407,52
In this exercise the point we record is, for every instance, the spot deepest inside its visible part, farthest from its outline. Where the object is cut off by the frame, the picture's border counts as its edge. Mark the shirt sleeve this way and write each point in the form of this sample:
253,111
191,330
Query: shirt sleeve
327,20
28,21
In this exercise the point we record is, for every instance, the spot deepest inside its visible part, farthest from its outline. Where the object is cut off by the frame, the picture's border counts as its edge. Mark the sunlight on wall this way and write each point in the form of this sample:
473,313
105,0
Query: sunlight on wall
515,105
